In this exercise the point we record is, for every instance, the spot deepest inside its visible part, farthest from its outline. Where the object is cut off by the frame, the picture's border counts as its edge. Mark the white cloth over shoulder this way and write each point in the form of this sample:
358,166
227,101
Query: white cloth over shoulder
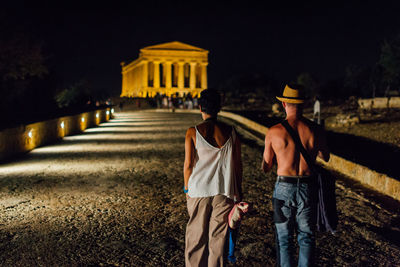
317,107
213,172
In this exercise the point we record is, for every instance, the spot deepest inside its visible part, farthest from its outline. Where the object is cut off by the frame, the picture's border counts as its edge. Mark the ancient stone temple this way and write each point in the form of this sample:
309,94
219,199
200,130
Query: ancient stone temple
168,69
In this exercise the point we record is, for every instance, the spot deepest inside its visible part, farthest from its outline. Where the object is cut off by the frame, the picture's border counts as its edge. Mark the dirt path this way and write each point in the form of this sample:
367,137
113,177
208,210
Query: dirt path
112,196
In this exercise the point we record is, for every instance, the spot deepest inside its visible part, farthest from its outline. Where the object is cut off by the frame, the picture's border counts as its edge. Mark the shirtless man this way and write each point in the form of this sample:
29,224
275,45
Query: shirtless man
294,194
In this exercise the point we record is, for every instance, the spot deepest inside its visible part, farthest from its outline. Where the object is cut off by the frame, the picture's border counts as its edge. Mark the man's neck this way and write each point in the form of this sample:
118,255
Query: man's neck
293,114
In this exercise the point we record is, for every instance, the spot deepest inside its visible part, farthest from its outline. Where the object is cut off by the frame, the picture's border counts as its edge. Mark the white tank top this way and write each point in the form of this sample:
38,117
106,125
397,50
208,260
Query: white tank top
213,172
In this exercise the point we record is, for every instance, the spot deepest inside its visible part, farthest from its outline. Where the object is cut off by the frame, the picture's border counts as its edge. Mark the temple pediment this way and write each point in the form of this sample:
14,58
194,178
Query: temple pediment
174,46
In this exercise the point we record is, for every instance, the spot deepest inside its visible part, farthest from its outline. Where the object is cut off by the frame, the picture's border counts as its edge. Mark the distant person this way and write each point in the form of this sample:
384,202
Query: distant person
170,102
189,100
180,102
294,196
212,179
165,101
275,108
189,103
317,111
195,102
158,100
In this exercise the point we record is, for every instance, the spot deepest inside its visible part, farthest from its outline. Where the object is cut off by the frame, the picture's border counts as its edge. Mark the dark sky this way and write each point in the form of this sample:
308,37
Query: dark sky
283,40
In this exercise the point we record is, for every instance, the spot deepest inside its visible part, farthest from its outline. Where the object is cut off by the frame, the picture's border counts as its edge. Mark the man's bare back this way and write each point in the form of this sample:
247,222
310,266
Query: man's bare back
280,147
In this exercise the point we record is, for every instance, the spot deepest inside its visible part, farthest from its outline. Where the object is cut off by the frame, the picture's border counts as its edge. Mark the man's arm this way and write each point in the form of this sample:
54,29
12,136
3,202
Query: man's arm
189,155
269,154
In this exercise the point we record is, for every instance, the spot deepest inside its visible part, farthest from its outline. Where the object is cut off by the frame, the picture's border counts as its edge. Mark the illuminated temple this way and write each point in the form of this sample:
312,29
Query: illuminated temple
168,69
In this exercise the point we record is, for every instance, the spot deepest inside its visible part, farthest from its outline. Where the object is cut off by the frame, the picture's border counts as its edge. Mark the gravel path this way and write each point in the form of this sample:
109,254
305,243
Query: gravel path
112,197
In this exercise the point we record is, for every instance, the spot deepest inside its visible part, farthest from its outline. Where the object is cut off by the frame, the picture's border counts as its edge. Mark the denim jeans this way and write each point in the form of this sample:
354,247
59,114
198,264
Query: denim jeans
295,211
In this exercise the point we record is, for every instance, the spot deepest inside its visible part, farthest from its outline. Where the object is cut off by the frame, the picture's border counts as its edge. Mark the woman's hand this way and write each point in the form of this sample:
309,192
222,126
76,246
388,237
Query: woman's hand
239,197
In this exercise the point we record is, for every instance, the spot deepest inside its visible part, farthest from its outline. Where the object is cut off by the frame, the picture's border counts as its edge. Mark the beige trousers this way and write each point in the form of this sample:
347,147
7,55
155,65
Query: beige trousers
207,230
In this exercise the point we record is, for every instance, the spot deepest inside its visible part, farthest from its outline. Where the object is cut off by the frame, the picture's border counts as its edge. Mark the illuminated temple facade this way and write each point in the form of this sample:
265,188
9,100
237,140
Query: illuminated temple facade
167,69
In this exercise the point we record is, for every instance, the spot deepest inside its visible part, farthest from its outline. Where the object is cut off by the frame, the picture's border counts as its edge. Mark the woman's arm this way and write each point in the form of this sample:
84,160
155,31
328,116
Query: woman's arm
190,140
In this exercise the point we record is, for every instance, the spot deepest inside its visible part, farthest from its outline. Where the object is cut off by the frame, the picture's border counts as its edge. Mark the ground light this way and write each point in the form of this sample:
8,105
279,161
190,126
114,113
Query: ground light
83,119
62,125
108,112
42,158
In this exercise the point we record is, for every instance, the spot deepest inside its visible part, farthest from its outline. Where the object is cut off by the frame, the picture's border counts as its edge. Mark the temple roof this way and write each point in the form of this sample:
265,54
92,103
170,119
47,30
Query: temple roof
174,46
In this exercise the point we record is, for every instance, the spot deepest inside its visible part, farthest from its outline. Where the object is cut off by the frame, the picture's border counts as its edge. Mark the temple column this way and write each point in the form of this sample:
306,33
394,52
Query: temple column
137,78
168,74
156,83
123,84
134,87
123,91
137,82
145,76
204,75
181,77
192,82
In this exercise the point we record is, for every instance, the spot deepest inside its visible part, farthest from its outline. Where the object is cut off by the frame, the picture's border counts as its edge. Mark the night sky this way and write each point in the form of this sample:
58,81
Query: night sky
280,40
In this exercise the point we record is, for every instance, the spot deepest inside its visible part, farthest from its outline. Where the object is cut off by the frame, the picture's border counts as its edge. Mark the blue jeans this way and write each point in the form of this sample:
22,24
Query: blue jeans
294,210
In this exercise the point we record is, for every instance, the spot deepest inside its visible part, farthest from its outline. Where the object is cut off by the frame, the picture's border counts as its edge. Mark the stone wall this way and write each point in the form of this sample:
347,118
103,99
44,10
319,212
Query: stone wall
379,103
394,102
378,181
24,138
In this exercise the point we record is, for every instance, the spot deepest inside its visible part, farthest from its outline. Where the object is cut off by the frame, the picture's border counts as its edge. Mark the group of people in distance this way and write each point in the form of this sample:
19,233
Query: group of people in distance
213,181
175,101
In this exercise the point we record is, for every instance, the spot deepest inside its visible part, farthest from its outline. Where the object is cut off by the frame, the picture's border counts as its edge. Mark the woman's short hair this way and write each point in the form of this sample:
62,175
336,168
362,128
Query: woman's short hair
210,101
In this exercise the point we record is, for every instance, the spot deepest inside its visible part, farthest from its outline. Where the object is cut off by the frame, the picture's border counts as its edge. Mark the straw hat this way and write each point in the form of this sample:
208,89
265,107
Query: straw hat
292,95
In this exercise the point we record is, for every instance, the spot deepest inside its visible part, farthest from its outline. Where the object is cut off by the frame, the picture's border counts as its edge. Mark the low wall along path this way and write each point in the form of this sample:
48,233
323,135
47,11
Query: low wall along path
24,138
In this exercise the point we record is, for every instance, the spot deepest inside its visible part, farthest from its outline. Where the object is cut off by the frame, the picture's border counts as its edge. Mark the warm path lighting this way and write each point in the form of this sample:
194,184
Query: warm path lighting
62,125
97,115
126,140
83,119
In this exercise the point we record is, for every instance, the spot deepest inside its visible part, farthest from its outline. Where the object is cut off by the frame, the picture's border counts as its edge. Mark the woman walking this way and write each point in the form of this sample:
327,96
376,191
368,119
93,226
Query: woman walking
212,180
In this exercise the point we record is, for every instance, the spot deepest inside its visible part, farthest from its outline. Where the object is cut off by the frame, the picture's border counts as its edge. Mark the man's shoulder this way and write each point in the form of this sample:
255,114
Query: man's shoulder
313,126
276,127
276,130
313,130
